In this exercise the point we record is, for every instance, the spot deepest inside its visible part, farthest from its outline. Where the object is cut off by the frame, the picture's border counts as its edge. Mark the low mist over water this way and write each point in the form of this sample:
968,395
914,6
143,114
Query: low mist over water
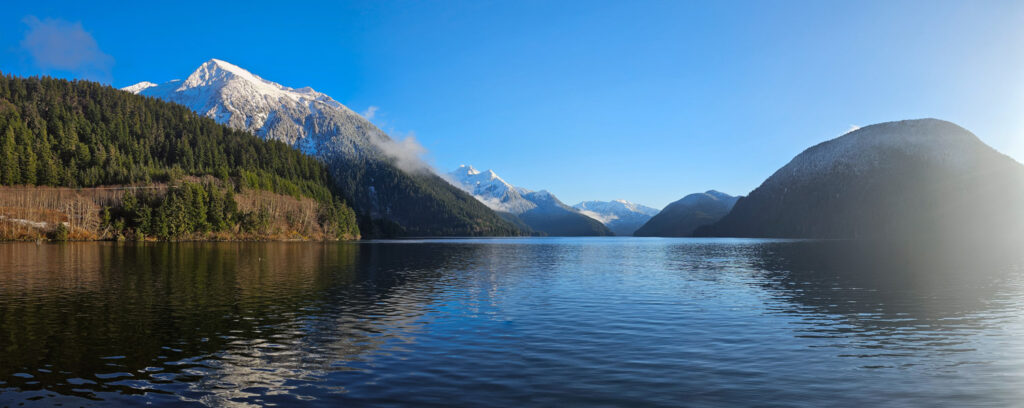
507,322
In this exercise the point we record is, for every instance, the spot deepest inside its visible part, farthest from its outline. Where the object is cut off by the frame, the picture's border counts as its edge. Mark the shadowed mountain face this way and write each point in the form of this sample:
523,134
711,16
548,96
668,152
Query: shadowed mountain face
681,218
554,218
899,180
384,179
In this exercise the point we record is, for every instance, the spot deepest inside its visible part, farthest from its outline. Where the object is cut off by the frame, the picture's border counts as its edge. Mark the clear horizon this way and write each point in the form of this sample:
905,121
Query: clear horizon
646,102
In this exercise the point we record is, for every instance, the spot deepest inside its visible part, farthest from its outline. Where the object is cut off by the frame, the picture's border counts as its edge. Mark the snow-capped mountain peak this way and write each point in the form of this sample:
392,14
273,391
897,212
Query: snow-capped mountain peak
216,71
303,117
615,207
490,189
621,216
468,170
539,210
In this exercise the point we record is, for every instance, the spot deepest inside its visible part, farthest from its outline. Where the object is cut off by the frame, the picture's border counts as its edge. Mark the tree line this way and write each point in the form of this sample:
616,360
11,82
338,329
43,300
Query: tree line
57,132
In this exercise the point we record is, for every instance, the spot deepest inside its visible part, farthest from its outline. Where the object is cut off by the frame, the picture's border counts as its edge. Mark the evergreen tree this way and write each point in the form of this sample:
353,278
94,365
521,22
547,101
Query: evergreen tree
9,163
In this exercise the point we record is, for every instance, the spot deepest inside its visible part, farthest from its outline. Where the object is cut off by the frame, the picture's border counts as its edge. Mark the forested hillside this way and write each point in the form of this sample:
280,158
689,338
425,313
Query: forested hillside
82,134
394,194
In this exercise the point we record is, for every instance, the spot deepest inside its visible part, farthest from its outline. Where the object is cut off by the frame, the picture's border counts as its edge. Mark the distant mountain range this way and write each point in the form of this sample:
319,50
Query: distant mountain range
683,217
540,210
387,184
906,180
620,216
898,179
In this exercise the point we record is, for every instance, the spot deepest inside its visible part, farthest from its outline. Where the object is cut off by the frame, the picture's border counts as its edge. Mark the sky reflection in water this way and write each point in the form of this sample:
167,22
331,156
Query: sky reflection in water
507,322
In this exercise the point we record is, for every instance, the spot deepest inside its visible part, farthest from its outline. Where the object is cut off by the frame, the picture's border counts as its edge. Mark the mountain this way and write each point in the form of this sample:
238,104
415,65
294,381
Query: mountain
392,190
552,217
620,216
540,210
491,190
906,180
106,164
681,218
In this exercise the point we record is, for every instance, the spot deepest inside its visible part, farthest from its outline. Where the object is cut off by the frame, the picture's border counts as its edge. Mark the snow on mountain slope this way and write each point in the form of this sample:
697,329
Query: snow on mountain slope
621,216
908,180
545,201
303,118
383,179
865,148
541,210
139,87
498,194
490,189
607,211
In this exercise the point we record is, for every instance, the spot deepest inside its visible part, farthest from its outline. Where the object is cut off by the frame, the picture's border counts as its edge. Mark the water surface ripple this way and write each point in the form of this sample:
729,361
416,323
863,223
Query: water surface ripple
507,323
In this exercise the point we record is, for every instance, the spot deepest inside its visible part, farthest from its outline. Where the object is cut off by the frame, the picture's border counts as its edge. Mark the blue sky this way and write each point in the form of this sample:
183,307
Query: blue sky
646,101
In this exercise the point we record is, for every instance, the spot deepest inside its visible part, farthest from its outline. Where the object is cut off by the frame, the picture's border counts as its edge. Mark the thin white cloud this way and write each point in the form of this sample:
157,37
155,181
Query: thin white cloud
370,112
851,129
55,44
407,152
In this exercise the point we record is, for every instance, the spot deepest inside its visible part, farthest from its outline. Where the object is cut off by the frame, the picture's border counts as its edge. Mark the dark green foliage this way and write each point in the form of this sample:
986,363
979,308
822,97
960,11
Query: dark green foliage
193,208
182,210
339,218
10,172
83,134
254,222
61,233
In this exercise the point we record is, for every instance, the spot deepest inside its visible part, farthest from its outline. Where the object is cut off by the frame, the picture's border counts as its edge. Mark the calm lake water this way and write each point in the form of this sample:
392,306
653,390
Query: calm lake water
508,322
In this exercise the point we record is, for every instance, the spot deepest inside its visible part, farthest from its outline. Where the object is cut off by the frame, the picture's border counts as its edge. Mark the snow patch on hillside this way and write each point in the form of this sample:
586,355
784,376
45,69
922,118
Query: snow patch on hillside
139,87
